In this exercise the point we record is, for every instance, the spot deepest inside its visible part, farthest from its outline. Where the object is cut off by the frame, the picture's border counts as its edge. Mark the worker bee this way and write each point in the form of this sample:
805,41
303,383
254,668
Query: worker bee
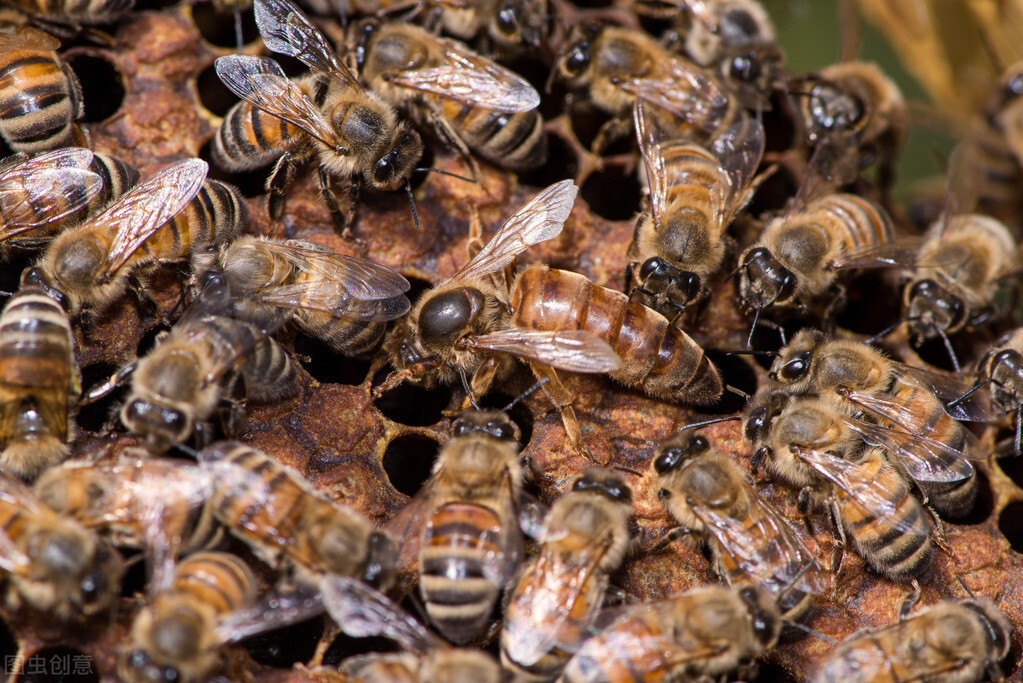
855,101
92,264
751,542
352,133
40,383
343,300
559,593
508,24
1002,367
39,95
362,612
470,326
464,526
916,409
709,630
944,643
694,194
618,66
474,103
55,565
967,261
210,599
273,509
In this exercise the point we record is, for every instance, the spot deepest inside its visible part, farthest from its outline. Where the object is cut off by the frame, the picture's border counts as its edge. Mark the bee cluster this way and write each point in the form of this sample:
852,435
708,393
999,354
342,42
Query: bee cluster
243,384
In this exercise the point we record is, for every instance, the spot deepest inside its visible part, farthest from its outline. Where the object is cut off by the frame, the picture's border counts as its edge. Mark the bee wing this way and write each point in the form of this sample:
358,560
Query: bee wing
650,135
769,551
474,80
739,149
974,408
541,219
147,207
46,188
18,497
550,595
262,83
900,253
682,89
287,30
345,286
28,38
831,166
867,491
571,350
280,608
924,459
362,612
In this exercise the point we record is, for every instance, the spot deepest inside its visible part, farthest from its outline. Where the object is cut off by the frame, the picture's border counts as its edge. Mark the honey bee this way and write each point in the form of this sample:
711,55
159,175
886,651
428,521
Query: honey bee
92,264
507,23
855,101
210,599
944,643
40,383
470,326
694,194
709,630
352,133
343,300
55,565
1002,367
362,612
39,95
751,542
470,544
560,592
273,509
916,408
474,103
969,260
619,66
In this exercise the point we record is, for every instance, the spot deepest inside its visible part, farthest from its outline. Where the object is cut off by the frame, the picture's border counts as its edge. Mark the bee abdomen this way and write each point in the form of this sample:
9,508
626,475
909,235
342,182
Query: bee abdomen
36,101
220,580
514,141
347,337
249,138
36,347
213,217
953,499
269,373
118,177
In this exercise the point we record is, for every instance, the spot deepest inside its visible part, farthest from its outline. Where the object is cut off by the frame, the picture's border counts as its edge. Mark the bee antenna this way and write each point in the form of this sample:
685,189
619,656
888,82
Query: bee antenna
468,391
809,631
411,201
948,347
628,470
238,29
112,383
753,352
342,13
966,394
428,169
187,450
965,587
697,425
525,393
888,330
753,327
738,392
1017,442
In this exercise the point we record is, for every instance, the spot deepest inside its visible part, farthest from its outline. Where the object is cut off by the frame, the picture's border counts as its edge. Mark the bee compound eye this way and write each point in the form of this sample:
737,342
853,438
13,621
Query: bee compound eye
445,315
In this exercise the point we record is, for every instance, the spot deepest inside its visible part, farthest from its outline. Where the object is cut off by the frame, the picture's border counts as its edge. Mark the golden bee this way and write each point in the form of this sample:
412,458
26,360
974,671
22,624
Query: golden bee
695,192
342,300
164,219
1002,368
55,565
916,409
39,95
944,643
362,612
750,541
40,383
42,195
472,325
353,134
710,630
474,104
618,66
559,593
812,445
273,509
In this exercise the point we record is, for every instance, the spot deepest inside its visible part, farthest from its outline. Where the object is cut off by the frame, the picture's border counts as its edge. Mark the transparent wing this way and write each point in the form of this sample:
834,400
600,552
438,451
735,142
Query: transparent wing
46,188
924,459
739,149
287,30
571,350
682,90
834,163
650,134
541,219
262,83
147,207
28,38
472,79
362,612
282,607
901,253
974,408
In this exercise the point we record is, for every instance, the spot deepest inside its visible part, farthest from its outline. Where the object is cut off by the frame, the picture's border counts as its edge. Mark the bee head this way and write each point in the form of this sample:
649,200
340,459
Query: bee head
392,170
932,307
604,483
764,281
678,449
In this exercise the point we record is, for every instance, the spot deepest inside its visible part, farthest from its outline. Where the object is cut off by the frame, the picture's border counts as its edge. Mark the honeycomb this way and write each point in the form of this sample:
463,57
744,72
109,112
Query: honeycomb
152,98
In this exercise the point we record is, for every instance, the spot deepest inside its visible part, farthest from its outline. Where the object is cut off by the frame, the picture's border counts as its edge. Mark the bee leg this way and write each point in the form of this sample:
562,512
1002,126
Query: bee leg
938,535
457,144
147,308
231,411
612,130
836,520
672,535
277,185
344,220
910,601
562,400
803,505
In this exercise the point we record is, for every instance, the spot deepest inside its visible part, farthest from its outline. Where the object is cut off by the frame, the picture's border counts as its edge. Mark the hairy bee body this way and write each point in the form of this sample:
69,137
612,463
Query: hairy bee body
40,98
40,383
658,358
75,12
175,635
950,642
452,665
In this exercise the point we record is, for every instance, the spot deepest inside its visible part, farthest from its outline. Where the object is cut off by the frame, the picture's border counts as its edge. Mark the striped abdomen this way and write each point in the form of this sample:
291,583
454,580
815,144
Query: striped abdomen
888,549
77,11
220,580
657,357
39,101
860,223
514,141
458,542
631,649
249,138
213,217
347,337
